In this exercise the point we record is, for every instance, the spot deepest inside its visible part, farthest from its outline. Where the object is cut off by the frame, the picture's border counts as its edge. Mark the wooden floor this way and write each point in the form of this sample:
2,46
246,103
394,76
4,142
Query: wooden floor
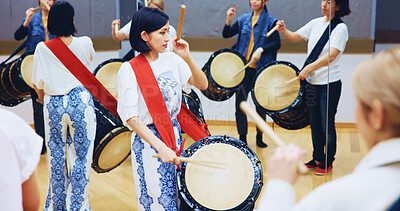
115,190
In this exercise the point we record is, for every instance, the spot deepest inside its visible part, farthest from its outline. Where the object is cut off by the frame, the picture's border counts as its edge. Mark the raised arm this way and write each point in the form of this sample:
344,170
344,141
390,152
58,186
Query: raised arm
229,29
198,78
293,37
117,34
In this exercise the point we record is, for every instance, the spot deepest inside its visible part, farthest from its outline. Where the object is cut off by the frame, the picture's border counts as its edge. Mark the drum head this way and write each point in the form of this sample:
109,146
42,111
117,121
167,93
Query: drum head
224,67
26,69
220,189
107,74
272,90
112,150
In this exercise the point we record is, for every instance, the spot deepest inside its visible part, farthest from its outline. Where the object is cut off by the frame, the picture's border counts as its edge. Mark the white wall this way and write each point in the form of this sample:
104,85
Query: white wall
226,110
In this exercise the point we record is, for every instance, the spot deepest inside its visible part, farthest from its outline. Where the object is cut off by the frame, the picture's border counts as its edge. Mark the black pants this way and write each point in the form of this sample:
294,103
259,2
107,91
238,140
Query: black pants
38,118
241,95
317,103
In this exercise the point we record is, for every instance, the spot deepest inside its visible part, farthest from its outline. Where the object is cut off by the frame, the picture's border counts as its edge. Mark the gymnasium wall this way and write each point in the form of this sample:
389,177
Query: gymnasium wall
204,18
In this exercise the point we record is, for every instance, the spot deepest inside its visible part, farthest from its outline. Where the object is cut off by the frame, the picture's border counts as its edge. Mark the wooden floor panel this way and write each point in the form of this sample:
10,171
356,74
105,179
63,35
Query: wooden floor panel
115,190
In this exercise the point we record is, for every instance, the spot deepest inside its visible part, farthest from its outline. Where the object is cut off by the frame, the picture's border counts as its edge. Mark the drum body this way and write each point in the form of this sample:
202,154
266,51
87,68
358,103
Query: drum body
14,87
282,98
113,140
234,186
192,101
221,70
112,143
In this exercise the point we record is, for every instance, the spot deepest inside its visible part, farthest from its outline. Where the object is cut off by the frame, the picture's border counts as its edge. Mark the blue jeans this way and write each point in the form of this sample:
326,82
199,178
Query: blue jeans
317,103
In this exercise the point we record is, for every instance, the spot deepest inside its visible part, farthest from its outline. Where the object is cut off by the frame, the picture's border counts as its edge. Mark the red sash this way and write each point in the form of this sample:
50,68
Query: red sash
80,71
158,110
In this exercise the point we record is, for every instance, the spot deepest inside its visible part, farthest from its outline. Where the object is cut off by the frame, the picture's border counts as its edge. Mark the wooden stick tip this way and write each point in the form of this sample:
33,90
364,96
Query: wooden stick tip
183,6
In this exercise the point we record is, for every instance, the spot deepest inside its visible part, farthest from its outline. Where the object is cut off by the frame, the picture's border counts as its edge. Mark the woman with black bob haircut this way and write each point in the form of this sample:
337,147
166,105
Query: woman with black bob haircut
62,24
68,112
155,179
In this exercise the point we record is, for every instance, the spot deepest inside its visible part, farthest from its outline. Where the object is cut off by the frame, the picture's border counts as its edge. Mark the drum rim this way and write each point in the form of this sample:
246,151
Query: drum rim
255,162
294,103
20,75
215,54
106,62
98,149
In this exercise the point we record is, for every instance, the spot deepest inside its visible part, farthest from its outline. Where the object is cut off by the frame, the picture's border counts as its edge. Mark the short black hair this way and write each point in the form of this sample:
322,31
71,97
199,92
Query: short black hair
61,19
146,19
344,8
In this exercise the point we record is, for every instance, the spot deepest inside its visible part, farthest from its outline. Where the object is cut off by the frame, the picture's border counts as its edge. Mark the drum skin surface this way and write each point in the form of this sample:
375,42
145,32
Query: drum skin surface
234,185
107,74
26,70
224,67
271,90
284,102
221,69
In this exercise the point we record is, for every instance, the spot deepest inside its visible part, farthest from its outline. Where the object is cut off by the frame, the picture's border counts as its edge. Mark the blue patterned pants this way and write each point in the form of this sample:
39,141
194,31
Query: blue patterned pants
155,181
71,116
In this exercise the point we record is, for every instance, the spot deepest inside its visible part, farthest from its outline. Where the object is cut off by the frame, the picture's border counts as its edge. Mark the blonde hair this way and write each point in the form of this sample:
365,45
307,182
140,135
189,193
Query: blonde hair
159,3
378,78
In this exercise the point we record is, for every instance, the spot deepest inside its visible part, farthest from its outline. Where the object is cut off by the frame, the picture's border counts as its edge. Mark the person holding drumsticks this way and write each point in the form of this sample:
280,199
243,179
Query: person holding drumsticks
155,179
34,28
316,74
70,119
257,49
123,33
374,183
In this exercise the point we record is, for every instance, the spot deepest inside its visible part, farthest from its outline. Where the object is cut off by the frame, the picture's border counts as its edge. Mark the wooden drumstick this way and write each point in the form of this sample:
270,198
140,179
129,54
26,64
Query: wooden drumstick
243,68
234,6
46,5
116,29
265,128
212,164
289,81
36,9
272,31
180,25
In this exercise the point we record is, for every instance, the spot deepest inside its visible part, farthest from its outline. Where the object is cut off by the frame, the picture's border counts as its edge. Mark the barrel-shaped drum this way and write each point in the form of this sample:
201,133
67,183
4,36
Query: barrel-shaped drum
223,74
16,85
113,140
281,95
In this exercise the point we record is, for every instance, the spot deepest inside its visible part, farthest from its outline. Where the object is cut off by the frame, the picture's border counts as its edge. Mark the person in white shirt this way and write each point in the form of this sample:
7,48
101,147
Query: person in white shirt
155,179
20,150
70,120
374,184
317,74
123,33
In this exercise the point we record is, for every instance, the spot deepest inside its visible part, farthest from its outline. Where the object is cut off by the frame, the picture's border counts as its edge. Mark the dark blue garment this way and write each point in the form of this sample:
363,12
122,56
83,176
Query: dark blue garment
317,105
35,32
243,28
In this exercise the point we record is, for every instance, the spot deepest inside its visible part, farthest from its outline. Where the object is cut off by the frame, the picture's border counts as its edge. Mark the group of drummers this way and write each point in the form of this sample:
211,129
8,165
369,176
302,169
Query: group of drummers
66,96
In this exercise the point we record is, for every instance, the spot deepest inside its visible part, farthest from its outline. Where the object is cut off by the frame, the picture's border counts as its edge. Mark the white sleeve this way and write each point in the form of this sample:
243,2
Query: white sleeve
305,31
184,73
26,142
278,196
339,37
128,93
127,28
37,70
